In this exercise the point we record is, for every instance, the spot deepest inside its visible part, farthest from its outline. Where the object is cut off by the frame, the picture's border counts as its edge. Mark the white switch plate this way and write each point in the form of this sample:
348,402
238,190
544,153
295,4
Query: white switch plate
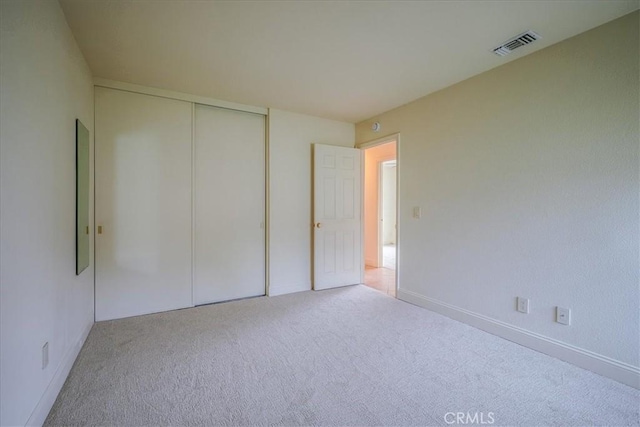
417,212
523,305
563,315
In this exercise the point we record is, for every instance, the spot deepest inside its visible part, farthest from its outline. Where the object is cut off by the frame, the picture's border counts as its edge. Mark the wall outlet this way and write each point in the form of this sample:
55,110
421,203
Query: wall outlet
45,355
563,315
522,305
417,212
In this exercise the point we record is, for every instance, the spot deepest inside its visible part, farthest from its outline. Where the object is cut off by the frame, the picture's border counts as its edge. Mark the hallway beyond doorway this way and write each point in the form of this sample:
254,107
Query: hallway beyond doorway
383,279
380,171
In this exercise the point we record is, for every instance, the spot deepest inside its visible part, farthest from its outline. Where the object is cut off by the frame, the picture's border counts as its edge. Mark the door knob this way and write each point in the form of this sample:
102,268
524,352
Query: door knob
319,225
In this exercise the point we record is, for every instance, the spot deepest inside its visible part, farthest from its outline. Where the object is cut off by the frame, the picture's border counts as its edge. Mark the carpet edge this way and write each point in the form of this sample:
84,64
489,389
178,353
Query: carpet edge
48,398
602,365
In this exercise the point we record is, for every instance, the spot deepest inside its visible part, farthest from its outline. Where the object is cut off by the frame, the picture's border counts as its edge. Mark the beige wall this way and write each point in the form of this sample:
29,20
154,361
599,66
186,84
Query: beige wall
45,85
528,180
291,137
372,158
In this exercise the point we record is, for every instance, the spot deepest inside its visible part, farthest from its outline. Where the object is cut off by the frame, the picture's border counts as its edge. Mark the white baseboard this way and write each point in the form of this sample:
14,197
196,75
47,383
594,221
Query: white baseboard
289,289
605,366
39,414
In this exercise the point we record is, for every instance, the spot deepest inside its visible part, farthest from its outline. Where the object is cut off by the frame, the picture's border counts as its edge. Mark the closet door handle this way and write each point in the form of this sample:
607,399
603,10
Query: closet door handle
99,229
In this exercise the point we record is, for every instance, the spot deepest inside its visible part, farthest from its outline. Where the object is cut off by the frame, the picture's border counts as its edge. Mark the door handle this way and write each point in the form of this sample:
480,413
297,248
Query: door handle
99,229
319,225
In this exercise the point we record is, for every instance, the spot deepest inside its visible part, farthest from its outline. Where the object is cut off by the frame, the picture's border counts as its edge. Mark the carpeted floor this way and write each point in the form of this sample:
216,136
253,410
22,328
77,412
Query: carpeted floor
349,356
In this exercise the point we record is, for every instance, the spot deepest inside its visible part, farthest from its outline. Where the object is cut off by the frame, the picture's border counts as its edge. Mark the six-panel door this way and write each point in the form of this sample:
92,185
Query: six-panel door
337,219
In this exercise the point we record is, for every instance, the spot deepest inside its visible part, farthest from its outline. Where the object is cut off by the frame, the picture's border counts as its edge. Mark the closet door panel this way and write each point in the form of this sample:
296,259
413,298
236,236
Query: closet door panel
143,204
229,205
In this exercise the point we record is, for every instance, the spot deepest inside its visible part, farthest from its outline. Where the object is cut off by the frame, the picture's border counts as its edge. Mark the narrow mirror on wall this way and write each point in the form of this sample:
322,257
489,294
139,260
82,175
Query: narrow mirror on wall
82,197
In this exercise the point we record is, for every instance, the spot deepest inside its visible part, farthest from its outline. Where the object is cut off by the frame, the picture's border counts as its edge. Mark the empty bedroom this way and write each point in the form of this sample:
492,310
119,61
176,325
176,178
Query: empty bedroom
319,213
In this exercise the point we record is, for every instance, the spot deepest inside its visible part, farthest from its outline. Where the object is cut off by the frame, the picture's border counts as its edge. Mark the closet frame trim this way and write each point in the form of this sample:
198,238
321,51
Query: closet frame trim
130,87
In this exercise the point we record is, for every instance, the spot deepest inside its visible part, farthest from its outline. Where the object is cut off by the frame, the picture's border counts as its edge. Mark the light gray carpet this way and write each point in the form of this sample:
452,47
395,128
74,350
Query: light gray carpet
350,356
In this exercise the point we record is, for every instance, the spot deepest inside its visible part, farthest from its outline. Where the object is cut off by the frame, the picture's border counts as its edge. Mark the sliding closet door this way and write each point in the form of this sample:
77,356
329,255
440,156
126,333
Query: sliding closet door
143,204
229,205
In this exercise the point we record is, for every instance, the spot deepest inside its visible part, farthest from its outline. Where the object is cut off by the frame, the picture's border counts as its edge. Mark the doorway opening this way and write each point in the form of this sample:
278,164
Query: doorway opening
380,215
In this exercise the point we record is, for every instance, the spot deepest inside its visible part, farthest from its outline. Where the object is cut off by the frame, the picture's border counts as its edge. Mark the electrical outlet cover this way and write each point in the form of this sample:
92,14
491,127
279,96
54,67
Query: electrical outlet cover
522,305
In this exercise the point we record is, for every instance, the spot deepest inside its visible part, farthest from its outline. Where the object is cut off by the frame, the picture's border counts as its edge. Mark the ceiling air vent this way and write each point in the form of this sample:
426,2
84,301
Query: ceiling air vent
516,42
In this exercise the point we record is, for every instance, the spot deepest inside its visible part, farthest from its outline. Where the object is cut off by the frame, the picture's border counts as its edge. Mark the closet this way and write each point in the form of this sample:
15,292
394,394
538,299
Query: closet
179,204
229,204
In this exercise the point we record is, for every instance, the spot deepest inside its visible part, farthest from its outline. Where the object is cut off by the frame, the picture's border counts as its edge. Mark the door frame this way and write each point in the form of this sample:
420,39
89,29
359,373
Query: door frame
380,166
370,144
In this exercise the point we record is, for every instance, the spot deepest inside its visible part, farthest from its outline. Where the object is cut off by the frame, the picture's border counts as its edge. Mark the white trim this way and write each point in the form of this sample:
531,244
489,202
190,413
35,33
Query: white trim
365,261
129,87
267,204
274,291
380,261
380,141
193,204
48,398
605,366
93,190
398,163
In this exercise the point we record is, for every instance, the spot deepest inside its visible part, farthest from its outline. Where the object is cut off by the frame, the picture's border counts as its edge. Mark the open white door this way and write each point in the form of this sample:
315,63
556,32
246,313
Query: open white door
337,216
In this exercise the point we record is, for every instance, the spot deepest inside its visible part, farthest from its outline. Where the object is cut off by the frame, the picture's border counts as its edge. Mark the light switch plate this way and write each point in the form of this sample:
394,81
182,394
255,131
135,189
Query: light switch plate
417,212
563,315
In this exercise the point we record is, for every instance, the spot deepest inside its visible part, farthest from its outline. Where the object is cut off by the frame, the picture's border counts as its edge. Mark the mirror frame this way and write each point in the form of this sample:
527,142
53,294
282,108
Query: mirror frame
83,182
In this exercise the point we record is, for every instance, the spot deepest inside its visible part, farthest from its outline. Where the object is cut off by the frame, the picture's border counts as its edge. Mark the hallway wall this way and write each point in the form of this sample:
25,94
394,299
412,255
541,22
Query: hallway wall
389,204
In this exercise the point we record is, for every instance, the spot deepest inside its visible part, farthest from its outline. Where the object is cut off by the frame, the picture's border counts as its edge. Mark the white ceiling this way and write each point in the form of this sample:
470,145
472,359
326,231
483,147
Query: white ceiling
345,60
